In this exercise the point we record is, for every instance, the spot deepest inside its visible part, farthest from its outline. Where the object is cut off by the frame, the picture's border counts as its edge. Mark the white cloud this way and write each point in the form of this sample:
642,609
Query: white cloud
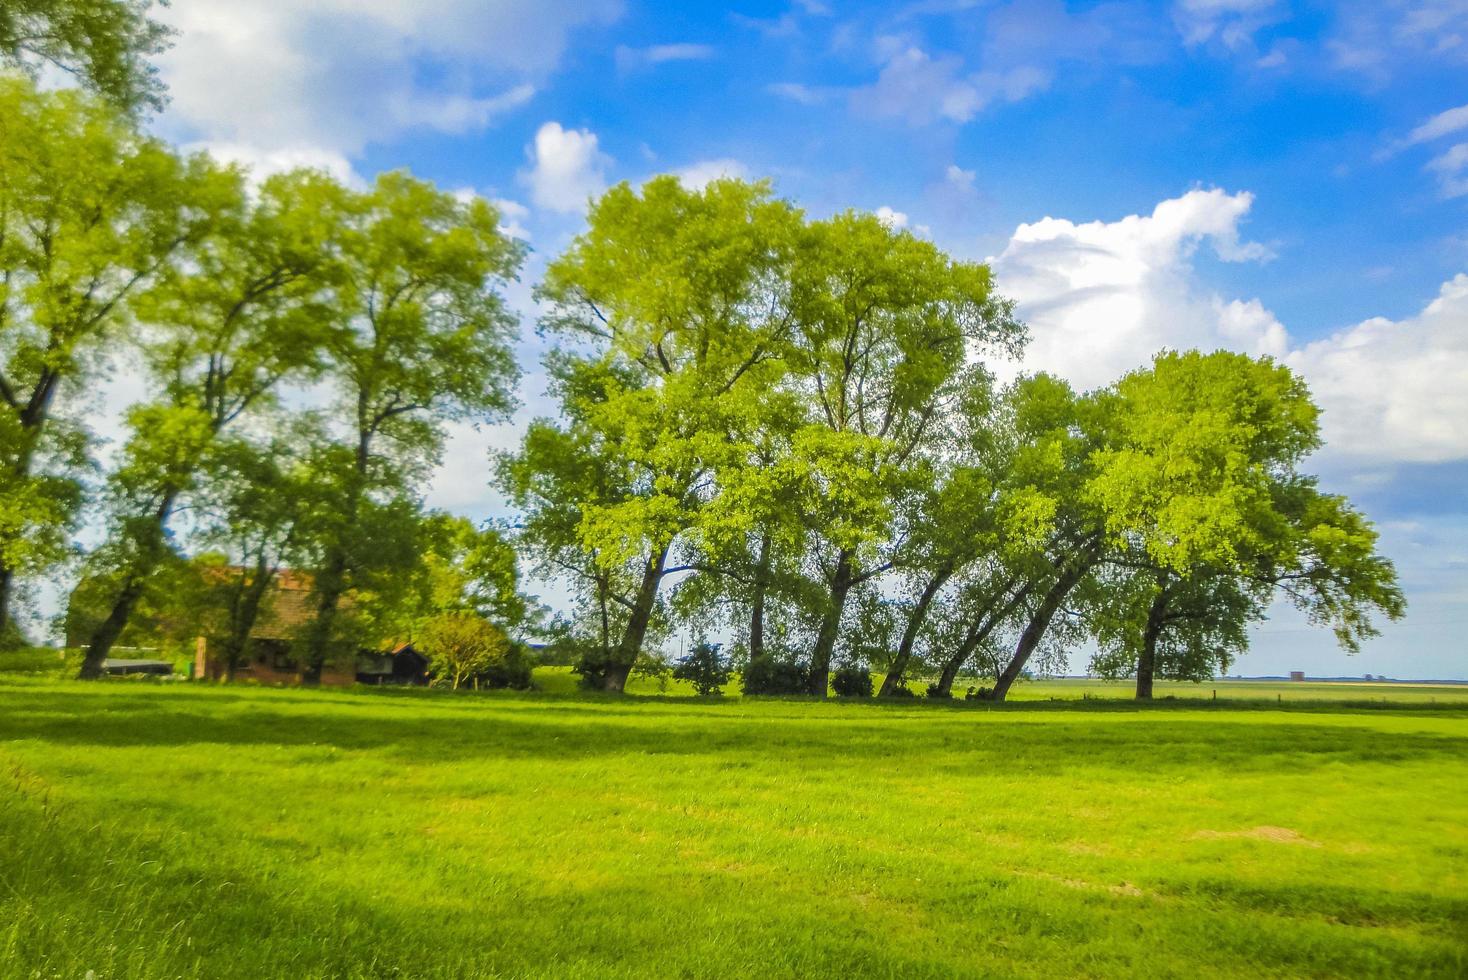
1233,22
699,175
263,163
566,168
513,216
1448,121
797,92
336,75
1396,390
920,89
959,178
1451,168
891,218
632,59
1101,298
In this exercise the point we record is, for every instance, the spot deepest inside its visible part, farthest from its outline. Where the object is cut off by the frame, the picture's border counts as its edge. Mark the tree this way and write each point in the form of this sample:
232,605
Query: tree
671,307
885,324
420,337
240,315
90,214
1201,486
461,645
104,43
705,668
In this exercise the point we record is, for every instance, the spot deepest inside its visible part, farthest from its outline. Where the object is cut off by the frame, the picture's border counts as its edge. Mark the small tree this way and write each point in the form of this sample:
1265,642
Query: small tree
706,668
461,645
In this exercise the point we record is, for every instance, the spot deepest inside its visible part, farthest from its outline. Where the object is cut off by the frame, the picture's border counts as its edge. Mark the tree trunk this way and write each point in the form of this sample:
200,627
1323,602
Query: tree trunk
1147,659
986,624
242,622
150,552
894,678
7,581
757,603
32,417
641,615
1034,631
820,658
331,585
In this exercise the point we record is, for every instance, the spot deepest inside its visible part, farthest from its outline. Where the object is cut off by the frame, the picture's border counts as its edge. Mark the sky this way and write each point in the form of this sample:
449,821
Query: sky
1276,178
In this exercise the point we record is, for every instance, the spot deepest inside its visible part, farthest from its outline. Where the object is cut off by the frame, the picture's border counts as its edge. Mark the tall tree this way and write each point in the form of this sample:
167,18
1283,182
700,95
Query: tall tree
674,311
104,43
243,312
421,336
886,322
90,214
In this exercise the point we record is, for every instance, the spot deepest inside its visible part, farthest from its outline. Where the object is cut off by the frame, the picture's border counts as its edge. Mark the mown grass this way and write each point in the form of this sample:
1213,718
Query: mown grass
180,830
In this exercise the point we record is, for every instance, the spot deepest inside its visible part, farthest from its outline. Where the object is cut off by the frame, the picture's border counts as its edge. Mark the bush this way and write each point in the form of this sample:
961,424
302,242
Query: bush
463,646
705,668
852,681
934,691
771,674
901,691
978,694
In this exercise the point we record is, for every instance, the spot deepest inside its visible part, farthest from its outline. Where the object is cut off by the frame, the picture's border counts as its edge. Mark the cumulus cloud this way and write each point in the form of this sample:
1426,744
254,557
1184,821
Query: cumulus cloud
566,168
920,89
1396,389
891,218
1103,297
697,176
631,59
332,76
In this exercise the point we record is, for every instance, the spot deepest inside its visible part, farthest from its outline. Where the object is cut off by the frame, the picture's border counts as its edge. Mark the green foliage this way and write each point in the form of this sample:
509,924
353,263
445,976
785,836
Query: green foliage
104,43
852,681
705,668
775,673
463,646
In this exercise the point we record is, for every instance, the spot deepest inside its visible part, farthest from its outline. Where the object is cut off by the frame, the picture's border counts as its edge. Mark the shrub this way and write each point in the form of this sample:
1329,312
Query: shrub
978,694
852,681
463,646
772,674
934,691
902,691
705,668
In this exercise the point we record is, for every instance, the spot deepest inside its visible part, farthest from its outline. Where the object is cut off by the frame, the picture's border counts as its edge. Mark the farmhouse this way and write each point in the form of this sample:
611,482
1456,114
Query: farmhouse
271,658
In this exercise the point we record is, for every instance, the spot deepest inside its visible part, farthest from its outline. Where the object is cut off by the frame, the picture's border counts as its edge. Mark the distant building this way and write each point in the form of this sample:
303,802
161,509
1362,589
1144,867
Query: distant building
271,654
1297,675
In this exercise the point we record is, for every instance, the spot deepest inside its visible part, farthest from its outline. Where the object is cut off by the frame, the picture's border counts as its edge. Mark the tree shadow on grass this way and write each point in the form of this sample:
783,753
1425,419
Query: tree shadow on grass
444,730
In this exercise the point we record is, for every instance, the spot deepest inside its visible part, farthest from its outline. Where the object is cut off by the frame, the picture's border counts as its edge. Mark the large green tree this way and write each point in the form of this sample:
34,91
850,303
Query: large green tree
420,337
885,325
244,310
104,43
673,313
90,214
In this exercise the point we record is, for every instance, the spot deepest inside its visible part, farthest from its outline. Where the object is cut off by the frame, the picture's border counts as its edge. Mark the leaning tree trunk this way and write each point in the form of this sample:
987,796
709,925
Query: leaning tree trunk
894,677
630,647
246,611
820,659
32,419
986,624
1034,631
757,601
1147,658
150,553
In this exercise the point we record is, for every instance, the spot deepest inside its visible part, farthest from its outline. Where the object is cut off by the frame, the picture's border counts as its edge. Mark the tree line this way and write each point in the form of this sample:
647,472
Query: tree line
780,430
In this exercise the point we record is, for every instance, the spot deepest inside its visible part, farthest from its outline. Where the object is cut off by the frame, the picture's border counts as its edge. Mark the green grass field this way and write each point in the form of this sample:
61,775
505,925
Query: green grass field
180,830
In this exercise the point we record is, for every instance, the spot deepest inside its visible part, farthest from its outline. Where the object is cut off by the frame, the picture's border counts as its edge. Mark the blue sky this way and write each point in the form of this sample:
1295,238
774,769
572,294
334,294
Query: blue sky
1289,179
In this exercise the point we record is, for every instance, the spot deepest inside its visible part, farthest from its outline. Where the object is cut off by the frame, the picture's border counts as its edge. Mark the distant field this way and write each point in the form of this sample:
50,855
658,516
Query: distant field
179,830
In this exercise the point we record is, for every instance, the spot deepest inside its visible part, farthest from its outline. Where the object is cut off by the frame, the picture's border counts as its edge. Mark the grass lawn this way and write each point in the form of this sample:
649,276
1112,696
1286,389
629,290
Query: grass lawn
179,830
